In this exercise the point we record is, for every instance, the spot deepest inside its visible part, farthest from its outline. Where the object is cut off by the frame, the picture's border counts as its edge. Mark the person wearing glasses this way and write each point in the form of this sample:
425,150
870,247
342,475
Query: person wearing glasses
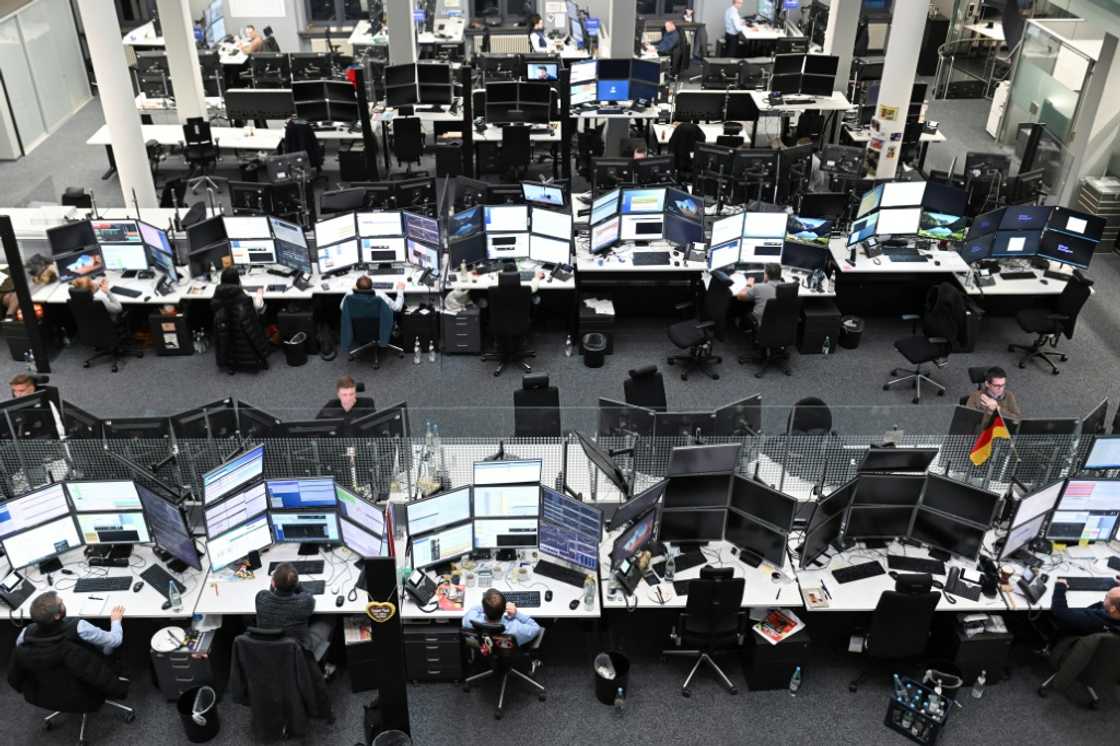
994,394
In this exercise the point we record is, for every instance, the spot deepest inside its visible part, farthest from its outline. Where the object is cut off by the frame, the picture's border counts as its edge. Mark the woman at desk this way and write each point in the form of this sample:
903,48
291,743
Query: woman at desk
537,41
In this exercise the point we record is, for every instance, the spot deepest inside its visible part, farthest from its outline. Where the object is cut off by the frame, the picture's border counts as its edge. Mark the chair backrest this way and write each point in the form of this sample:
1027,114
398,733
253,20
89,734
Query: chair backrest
1070,301
57,688
778,327
1099,654
810,415
515,144
900,625
645,387
536,408
717,302
95,325
786,290
196,131
945,314
510,306
408,139
365,310
270,44
713,605
499,649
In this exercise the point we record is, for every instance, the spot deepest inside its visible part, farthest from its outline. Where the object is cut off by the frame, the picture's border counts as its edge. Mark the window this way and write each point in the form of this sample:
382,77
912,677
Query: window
507,12
335,11
662,8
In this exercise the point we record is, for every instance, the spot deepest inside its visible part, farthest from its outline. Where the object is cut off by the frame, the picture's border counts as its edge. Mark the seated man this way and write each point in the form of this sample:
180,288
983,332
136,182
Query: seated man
1103,616
670,38
21,385
760,293
253,41
48,619
994,394
285,605
348,405
495,610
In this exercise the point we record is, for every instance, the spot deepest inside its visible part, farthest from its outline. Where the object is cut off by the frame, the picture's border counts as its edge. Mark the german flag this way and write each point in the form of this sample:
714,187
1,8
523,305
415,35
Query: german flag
982,448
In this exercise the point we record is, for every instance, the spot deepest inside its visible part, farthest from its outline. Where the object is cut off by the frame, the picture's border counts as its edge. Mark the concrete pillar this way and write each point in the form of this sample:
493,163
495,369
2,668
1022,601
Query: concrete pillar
1094,136
114,88
402,32
182,58
908,24
840,37
622,25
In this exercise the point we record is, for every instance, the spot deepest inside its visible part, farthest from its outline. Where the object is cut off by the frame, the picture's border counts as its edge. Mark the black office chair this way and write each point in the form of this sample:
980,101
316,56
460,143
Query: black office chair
1050,323
645,387
408,142
711,623
976,374
281,707
270,44
900,627
1093,661
536,408
200,151
510,305
810,416
369,321
76,197
503,655
517,150
943,324
777,332
697,335
97,329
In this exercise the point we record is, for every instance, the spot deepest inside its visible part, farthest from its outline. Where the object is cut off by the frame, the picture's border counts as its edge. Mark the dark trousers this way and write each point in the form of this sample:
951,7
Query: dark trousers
731,42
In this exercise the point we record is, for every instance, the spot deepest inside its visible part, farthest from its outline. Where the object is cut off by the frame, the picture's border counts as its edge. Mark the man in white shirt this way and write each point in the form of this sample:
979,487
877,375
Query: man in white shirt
733,26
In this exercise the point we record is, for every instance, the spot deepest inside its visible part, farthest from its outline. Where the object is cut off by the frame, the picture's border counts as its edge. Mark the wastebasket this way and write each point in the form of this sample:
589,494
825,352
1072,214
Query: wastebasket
295,349
610,689
594,349
198,709
392,738
851,331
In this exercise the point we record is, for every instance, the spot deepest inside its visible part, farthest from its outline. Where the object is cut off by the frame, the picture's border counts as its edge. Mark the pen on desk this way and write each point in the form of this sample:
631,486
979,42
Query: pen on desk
826,591
96,598
778,594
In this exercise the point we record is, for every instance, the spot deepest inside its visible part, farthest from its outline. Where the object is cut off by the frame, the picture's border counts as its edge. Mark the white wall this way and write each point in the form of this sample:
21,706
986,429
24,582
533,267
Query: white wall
285,28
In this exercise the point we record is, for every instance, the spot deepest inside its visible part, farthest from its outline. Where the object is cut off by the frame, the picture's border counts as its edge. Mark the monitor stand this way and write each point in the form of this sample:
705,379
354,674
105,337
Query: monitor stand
506,555
111,551
54,564
307,549
128,274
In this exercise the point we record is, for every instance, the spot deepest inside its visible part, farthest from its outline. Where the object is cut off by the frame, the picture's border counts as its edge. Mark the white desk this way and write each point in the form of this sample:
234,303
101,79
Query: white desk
234,595
652,112
662,132
939,262
233,138
988,32
146,603
456,280
1059,565
620,260
762,32
836,102
493,133
862,135
144,37
146,105
361,36
1039,286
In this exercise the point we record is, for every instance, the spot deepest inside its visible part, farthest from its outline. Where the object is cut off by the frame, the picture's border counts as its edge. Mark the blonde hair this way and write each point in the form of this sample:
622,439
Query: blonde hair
83,283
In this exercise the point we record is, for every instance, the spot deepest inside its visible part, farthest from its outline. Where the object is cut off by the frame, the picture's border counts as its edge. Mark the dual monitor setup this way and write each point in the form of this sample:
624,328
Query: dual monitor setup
610,82
88,248
482,234
808,74
1056,233
751,238
427,83
643,215
929,210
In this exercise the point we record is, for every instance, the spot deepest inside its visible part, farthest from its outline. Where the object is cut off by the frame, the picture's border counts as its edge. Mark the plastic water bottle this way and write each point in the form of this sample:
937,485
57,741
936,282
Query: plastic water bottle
431,351
29,361
826,348
416,352
795,682
436,442
978,685
568,346
428,435
619,700
671,565
589,588
173,596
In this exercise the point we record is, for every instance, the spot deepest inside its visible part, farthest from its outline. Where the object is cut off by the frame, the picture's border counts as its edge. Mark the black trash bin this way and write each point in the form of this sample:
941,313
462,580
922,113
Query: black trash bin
198,709
392,738
594,349
606,690
851,332
295,349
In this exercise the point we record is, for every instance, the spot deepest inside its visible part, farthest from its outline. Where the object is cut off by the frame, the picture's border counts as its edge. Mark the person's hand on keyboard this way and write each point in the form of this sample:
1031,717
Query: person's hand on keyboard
399,285
511,609
1062,582
117,613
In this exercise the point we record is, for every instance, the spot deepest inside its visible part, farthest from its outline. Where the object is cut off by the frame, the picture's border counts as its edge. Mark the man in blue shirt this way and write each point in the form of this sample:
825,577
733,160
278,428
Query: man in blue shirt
522,627
670,38
732,27
48,617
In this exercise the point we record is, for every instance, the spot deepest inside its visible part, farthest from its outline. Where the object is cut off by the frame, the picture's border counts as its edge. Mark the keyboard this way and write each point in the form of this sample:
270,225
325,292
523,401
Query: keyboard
858,572
680,587
383,271
314,587
160,579
915,564
303,567
689,560
1051,274
128,292
250,289
381,285
646,258
278,288
1018,275
525,276
907,257
110,583
523,599
561,573
1090,583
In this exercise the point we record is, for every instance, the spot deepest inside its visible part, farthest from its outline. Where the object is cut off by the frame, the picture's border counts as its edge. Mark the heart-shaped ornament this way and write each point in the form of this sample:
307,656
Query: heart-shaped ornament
381,611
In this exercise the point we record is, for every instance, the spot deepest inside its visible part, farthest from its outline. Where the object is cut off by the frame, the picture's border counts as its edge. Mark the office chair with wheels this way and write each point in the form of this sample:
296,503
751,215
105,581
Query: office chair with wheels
536,408
517,150
810,416
200,151
97,329
712,622
1050,324
698,334
510,305
408,142
1093,661
503,655
943,323
900,627
367,323
644,387
976,376
777,332
74,196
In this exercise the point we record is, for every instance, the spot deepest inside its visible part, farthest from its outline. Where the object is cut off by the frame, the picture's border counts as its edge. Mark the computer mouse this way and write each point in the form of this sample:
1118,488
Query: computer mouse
338,600
548,595
676,264
147,298
937,262
573,604
1044,281
136,588
165,606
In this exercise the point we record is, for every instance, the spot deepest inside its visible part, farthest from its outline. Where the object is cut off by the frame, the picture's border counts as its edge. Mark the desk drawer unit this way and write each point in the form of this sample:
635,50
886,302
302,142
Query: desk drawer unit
433,653
462,333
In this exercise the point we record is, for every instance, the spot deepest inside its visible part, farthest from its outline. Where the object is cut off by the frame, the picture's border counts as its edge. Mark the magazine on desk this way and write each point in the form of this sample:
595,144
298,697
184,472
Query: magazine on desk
778,625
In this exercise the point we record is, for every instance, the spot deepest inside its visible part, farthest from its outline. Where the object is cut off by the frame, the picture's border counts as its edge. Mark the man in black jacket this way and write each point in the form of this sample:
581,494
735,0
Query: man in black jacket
286,606
1103,616
239,340
348,406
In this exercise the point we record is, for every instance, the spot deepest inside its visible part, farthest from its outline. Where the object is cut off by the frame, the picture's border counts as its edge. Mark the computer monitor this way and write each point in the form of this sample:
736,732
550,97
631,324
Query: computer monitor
506,218
549,251
1104,453
691,526
469,251
438,511
636,201
305,527
1063,248
42,543
1075,223
124,257
825,524
570,530
678,202
1021,536
203,235
786,84
754,539
341,200
553,224
250,536
902,194
765,224
358,510
1088,511
763,503
959,500
124,527
235,510
259,103
637,506
870,201
809,230
1012,244
382,250
465,223
309,493
442,546
817,85
888,489
507,472
940,226
877,522
337,257
86,263
942,532
655,169
291,245
897,459
390,422
116,231
727,229
898,221
713,459
945,198
365,544
542,70
71,237
103,496
604,206
642,227
336,229
603,462
505,533
986,224
27,511
634,539
505,500
1037,503
684,424
1025,218
805,256
681,232
975,249
611,172
169,529
1094,422
421,228
232,475
712,159
695,106
582,71
542,194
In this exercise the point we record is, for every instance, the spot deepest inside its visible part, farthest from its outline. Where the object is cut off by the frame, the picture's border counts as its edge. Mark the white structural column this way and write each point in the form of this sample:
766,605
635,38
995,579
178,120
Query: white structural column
402,33
1098,115
908,24
622,27
182,58
840,37
114,88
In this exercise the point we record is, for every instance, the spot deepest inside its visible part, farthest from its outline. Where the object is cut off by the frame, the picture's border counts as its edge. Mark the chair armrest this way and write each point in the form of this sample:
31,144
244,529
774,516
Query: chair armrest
683,305
939,340
1057,317
913,318
706,325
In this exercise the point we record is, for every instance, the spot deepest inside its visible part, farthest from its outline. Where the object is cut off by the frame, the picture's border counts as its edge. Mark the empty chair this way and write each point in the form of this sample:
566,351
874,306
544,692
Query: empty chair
810,416
408,141
536,408
502,653
97,329
510,305
367,323
1050,323
200,151
697,335
517,151
944,325
645,387
900,627
711,623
